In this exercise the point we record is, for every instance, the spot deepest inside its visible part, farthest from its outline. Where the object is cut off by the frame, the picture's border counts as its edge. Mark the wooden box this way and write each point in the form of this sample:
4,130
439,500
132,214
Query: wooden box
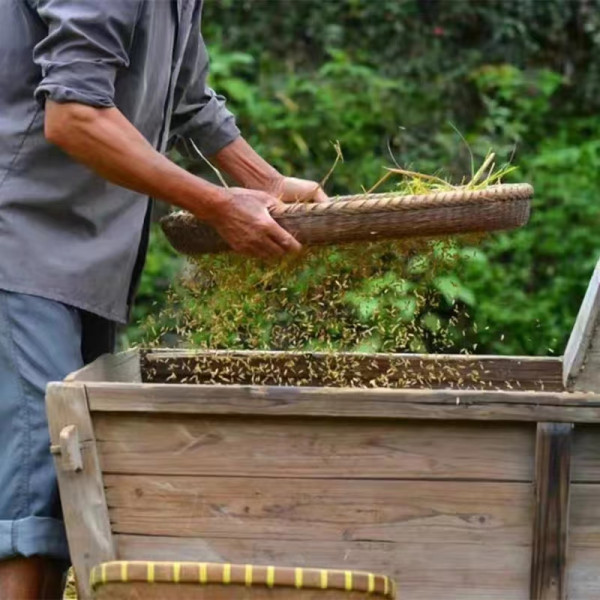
459,490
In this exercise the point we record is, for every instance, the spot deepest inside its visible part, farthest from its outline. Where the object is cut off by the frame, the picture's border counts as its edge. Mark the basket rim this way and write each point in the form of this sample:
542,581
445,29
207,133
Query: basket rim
389,202
392,201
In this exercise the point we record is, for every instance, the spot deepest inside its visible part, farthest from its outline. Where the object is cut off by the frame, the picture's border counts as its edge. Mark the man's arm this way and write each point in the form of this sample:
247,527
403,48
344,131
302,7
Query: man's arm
241,162
201,115
105,141
79,61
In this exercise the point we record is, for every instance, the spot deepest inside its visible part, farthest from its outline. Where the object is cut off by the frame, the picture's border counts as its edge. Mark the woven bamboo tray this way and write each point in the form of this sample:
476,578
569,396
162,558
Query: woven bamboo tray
368,217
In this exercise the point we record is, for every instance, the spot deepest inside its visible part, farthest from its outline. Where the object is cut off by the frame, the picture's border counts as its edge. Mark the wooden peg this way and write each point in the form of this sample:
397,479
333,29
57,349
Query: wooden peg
69,449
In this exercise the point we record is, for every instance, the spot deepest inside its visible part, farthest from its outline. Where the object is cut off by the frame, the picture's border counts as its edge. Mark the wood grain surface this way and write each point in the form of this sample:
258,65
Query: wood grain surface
551,521
424,570
584,542
82,492
122,367
582,356
331,402
321,510
317,448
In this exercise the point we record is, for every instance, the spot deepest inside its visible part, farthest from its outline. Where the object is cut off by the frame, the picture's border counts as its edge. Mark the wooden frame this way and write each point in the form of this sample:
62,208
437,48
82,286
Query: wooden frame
581,370
128,451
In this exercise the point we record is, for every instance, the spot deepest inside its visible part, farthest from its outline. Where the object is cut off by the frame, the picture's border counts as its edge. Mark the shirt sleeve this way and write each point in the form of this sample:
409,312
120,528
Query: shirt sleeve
87,43
200,113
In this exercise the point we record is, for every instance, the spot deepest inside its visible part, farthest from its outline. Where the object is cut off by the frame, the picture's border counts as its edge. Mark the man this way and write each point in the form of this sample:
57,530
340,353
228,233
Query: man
92,92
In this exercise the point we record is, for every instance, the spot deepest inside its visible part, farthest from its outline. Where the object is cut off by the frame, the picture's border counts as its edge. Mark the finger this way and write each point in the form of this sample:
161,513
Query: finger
283,239
264,246
254,248
271,248
320,195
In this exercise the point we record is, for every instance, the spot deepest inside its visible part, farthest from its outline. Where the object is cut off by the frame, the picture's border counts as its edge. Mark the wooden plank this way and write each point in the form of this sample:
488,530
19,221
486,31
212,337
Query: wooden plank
82,491
585,516
345,402
121,367
581,363
318,510
584,579
551,523
318,448
401,370
586,454
424,570
584,542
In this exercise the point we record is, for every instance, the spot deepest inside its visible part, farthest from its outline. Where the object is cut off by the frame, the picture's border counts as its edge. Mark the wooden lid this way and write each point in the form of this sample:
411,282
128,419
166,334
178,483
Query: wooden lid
248,575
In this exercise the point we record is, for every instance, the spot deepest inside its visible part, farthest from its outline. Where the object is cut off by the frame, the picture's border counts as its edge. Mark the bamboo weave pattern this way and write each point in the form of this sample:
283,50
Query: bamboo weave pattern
371,217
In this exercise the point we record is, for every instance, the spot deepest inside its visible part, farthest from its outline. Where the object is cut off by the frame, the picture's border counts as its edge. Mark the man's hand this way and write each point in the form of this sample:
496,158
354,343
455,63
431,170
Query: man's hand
248,169
292,189
245,224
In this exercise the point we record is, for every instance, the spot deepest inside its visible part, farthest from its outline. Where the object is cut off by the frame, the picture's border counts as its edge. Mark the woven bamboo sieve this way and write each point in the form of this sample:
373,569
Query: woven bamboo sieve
370,217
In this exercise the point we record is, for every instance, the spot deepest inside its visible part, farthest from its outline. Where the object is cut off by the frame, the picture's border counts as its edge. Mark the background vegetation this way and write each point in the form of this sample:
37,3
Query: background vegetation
398,78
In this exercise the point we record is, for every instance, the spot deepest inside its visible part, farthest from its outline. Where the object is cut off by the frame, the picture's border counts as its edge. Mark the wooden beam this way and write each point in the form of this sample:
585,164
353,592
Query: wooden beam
123,367
581,363
551,521
345,402
81,490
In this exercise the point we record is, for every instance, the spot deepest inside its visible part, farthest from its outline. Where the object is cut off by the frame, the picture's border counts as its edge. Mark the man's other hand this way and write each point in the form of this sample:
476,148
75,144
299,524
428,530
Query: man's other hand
245,223
292,189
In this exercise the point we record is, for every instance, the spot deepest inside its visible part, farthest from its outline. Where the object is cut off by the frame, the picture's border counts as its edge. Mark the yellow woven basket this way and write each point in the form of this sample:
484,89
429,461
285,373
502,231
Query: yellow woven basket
128,580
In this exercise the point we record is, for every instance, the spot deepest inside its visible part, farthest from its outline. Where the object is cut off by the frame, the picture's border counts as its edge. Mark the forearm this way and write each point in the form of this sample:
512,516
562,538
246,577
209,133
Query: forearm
246,167
241,162
106,142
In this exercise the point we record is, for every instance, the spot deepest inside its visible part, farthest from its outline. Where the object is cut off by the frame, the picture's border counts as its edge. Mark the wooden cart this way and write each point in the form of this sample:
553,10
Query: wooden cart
457,493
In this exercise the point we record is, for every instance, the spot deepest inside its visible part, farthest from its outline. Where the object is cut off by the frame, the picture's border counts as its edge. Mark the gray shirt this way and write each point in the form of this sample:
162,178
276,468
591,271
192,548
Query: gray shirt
65,233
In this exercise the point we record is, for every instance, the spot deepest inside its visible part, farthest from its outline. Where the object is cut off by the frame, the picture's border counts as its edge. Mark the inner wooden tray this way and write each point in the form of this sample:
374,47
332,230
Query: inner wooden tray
350,369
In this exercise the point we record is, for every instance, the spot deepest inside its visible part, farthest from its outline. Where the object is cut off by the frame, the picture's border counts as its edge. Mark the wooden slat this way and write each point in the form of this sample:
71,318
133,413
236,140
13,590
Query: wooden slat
581,370
402,370
424,570
121,367
586,454
81,492
551,523
584,580
584,542
585,516
376,403
293,447
321,510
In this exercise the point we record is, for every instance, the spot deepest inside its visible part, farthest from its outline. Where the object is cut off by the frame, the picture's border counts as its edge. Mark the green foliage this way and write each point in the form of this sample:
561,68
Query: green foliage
529,286
394,81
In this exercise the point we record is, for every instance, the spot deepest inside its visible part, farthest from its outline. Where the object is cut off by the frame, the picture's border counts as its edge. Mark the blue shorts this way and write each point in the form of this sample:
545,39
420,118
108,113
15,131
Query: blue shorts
40,341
